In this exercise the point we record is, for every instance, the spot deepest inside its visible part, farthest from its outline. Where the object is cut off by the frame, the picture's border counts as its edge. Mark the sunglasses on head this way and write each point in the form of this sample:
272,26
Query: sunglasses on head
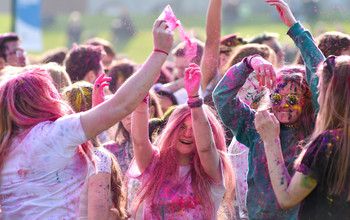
291,99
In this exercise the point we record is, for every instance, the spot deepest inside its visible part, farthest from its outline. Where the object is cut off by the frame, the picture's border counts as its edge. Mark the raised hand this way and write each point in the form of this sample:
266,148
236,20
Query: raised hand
170,18
284,11
265,73
192,79
98,95
267,126
163,37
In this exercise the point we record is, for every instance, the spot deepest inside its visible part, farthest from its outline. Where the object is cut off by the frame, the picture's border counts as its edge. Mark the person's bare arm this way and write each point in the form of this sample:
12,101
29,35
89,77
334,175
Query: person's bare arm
174,85
210,60
202,132
127,98
99,196
139,134
289,191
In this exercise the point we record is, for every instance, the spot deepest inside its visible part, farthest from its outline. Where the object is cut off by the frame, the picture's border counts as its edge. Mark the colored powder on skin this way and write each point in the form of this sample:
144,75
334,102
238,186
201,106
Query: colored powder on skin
282,181
308,182
297,108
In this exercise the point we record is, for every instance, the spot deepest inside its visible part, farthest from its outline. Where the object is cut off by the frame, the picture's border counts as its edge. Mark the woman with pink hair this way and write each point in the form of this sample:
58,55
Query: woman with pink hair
185,175
43,165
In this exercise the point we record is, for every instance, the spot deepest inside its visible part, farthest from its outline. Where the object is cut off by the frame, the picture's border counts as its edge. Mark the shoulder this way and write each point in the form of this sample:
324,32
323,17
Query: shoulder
320,149
327,139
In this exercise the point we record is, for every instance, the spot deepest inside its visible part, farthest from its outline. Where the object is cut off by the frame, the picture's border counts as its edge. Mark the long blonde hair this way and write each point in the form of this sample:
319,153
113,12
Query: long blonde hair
335,114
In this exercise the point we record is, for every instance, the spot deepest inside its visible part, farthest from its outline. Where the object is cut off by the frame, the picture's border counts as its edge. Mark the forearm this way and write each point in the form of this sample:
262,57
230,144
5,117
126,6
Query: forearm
213,23
210,61
174,86
205,142
230,109
125,99
303,39
137,86
311,54
278,172
201,130
139,135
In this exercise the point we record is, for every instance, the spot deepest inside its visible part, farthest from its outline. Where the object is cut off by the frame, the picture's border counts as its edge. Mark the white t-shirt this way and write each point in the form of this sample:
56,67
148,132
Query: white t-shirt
44,173
103,164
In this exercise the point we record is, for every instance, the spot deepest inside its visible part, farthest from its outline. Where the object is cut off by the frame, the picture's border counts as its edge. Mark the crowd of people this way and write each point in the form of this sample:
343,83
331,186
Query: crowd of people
231,132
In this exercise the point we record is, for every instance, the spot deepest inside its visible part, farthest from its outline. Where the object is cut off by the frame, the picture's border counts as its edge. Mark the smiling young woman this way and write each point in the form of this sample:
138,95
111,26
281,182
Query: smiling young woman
187,173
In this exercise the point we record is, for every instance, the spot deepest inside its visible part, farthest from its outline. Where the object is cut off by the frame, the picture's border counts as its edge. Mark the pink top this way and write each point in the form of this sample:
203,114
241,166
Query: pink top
176,198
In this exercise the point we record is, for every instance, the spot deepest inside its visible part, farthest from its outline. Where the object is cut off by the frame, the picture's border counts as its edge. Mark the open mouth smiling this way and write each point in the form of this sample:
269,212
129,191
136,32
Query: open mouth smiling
187,142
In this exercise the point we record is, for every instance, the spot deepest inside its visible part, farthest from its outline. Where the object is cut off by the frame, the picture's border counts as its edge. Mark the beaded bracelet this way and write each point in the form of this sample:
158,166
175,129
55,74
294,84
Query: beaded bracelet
161,51
195,104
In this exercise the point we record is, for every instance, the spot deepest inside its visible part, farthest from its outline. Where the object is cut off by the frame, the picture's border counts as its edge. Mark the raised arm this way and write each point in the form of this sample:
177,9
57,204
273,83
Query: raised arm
127,98
139,135
289,191
174,85
233,112
210,60
203,135
302,38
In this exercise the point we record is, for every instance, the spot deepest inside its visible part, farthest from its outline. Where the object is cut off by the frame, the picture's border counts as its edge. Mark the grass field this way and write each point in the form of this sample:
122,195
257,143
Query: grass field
139,47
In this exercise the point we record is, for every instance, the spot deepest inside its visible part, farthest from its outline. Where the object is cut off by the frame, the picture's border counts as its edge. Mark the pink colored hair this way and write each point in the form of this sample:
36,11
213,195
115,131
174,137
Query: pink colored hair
26,100
167,165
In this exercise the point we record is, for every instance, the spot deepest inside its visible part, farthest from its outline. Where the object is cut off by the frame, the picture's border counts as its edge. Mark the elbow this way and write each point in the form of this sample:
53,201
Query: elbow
286,204
216,96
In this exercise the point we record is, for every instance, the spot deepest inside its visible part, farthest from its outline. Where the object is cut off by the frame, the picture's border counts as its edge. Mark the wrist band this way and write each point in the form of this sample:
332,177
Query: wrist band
195,104
161,51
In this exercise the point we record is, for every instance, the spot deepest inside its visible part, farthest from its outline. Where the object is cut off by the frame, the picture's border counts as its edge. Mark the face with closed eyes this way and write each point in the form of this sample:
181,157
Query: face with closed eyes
287,102
186,142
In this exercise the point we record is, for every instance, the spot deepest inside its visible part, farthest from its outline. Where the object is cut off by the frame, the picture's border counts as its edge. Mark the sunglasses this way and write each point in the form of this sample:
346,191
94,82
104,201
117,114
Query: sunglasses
291,99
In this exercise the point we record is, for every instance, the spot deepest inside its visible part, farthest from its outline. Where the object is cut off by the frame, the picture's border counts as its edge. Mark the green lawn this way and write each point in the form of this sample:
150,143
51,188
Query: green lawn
5,23
140,46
